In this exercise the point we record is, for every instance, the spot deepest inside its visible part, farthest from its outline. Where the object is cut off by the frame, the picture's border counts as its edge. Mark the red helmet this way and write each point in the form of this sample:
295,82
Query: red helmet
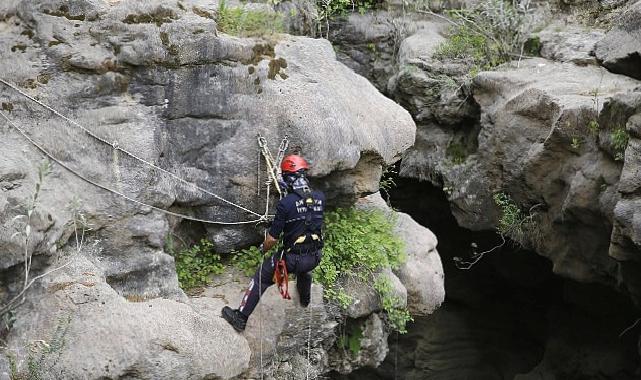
293,163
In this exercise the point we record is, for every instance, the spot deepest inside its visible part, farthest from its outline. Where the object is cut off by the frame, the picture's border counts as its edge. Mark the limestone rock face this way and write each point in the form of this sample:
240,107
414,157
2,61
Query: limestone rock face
569,44
625,244
535,144
92,332
175,104
365,298
620,49
278,332
155,83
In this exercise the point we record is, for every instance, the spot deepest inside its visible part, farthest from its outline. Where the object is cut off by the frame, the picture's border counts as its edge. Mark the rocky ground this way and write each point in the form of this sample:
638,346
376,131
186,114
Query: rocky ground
157,79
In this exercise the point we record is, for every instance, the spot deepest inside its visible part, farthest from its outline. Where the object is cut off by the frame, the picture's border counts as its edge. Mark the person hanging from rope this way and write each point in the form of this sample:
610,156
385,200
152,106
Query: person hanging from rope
299,218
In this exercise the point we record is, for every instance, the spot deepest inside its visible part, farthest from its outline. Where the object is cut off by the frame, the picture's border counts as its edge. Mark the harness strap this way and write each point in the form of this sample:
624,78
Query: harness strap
304,217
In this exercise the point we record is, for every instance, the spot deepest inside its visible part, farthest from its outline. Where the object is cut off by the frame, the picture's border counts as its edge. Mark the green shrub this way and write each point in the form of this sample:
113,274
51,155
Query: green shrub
463,43
358,244
197,264
350,338
593,127
248,23
328,9
248,259
456,151
397,314
492,33
516,224
620,139
511,215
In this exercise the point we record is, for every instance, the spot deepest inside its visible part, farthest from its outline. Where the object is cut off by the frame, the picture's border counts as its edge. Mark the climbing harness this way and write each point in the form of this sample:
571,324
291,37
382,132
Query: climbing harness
114,145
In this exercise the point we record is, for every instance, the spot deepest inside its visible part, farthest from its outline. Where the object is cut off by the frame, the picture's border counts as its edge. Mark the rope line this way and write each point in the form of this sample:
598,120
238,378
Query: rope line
115,146
116,192
309,331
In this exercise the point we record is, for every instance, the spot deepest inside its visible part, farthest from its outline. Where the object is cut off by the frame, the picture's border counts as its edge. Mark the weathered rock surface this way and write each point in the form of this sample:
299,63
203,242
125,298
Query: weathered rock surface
278,332
620,50
422,272
563,43
90,331
157,80
365,299
545,107
377,44
372,348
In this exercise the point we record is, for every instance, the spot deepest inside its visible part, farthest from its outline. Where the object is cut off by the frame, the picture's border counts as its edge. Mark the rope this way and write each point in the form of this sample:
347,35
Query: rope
396,358
115,146
309,331
116,192
273,166
260,316
269,161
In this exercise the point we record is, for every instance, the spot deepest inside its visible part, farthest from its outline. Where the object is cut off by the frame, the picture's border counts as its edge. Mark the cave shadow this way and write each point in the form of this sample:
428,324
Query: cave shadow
508,315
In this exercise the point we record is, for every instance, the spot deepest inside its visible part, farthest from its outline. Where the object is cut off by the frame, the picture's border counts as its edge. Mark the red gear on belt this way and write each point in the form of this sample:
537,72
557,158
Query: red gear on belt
281,278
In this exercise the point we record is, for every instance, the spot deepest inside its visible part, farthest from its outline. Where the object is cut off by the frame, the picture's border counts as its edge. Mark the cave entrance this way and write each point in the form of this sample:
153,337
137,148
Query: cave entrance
509,316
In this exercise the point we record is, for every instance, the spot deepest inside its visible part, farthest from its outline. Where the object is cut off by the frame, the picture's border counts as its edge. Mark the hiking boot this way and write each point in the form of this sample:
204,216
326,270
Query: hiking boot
304,301
235,318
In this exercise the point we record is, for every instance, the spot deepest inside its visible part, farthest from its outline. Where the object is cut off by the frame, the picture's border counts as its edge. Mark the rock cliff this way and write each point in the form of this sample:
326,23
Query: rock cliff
163,112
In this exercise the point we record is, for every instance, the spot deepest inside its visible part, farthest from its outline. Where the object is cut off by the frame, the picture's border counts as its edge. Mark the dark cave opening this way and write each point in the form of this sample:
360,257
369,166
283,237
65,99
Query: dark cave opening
509,316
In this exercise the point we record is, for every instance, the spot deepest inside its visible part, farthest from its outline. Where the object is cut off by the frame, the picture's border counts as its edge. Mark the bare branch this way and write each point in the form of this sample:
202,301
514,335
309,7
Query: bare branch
629,328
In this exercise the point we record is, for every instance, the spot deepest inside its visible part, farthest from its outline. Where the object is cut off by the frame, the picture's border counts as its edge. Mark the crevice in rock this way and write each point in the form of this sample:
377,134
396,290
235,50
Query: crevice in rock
509,317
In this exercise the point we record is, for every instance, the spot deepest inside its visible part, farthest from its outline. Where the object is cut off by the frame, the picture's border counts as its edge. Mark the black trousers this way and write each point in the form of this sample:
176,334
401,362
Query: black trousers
299,264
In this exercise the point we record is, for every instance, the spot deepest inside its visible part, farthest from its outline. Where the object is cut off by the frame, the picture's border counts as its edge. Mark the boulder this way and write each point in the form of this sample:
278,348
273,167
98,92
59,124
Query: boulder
549,108
80,327
620,50
422,272
568,44
377,44
278,331
365,298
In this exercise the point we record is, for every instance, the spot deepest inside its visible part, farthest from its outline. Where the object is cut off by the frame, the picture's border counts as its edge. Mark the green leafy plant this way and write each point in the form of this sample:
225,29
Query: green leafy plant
328,9
576,143
456,151
397,314
387,182
516,224
248,23
247,260
593,127
350,338
196,265
358,244
620,139
511,215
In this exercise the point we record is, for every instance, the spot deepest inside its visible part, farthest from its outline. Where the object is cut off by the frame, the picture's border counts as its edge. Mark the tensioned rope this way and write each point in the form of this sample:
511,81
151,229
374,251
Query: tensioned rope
116,147
141,203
